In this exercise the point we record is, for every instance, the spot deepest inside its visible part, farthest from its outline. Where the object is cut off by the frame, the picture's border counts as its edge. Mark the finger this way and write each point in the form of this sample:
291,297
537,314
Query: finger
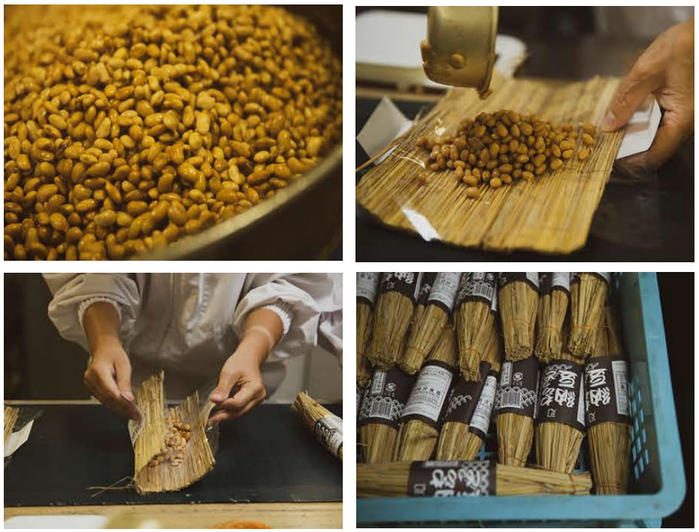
633,89
123,377
246,395
668,139
104,381
226,381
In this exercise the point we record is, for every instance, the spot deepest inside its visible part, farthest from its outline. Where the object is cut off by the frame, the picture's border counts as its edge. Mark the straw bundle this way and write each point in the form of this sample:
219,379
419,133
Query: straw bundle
420,421
474,319
471,478
518,298
394,311
326,426
367,287
11,414
162,462
379,414
516,408
607,413
588,293
470,406
560,425
554,296
429,323
534,215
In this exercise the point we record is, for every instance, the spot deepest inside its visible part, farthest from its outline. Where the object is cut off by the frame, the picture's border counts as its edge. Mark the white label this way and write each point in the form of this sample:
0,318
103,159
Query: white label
378,382
561,280
581,402
533,277
429,392
494,302
620,372
484,408
367,285
506,374
328,430
445,288
607,276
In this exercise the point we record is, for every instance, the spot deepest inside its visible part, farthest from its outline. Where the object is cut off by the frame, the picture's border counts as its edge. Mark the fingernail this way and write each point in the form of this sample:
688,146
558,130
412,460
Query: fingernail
609,122
127,395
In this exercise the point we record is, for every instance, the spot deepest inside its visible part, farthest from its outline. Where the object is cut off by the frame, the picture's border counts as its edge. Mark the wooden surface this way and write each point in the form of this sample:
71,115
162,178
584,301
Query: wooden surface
551,214
276,515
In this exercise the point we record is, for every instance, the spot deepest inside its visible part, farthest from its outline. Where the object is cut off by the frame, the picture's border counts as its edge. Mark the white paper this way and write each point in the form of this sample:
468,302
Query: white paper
641,129
385,124
17,439
65,522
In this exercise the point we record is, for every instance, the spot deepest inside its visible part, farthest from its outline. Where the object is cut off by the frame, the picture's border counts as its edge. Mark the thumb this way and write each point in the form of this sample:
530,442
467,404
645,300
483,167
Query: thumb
632,90
667,140
123,377
226,381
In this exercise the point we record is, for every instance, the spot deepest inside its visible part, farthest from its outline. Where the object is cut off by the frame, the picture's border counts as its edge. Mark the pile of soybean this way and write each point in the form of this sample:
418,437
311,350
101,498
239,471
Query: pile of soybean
498,148
128,127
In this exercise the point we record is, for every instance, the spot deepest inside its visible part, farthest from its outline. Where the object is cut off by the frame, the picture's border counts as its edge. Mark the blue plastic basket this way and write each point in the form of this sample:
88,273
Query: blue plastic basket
658,482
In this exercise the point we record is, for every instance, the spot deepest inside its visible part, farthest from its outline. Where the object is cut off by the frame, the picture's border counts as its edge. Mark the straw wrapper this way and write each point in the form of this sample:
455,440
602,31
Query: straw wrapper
326,426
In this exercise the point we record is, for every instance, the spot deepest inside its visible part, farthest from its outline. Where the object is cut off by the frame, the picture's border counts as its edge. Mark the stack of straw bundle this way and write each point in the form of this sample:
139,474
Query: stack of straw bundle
470,406
554,296
367,287
394,311
326,426
430,320
588,294
151,440
420,421
474,319
607,413
518,298
475,478
11,415
516,409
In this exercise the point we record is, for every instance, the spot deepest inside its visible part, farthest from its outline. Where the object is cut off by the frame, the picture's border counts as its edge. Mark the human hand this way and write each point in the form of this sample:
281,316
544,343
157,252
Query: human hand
241,372
666,70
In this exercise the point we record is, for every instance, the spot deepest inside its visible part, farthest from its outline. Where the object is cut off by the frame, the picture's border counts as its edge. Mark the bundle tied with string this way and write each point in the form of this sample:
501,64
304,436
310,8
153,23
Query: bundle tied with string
326,426
171,449
11,415
607,412
421,417
554,297
515,409
367,288
469,408
588,294
430,320
464,479
518,299
560,424
394,311
474,319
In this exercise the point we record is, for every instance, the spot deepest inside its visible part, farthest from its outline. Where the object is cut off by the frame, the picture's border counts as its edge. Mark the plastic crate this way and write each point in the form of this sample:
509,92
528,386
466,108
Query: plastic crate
657,474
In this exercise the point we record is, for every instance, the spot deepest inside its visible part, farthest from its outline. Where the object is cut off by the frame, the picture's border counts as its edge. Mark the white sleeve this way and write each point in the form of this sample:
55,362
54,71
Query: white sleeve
74,293
287,295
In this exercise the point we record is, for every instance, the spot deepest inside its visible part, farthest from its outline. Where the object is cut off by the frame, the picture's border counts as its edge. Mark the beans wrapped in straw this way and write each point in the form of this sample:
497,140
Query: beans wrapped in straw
326,426
420,421
516,409
394,311
588,294
474,319
430,319
470,406
607,412
554,297
518,298
367,287
475,478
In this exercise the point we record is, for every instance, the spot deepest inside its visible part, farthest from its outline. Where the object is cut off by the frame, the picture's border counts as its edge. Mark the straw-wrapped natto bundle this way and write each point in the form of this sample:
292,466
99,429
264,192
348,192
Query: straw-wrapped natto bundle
367,287
516,409
429,323
518,298
560,424
420,421
469,408
392,316
608,414
554,296
474,319
588,294
326,426
379,414
464,478
11,414
171,450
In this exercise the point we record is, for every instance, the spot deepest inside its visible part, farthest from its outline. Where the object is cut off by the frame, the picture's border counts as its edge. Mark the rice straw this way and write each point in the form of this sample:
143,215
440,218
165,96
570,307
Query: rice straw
588,294
554,297
367,287
518,299
326,426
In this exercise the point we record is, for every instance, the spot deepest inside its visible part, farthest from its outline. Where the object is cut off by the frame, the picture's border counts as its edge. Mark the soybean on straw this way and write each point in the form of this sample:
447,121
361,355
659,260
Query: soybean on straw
518,299
469,408
554,297
420,422
326,426
608,419
588,294
367,287
394,479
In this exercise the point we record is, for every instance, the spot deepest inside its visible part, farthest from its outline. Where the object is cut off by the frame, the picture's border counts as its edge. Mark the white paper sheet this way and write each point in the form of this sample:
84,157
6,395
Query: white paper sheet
641,129
385,124
17,439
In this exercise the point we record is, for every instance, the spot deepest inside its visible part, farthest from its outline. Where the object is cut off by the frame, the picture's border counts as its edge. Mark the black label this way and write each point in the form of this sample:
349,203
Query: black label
548,282
405,283
519,387
425,287
607,391
385,397
562,394
531,278
464,395
428,396
477,286
367,287
453,478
